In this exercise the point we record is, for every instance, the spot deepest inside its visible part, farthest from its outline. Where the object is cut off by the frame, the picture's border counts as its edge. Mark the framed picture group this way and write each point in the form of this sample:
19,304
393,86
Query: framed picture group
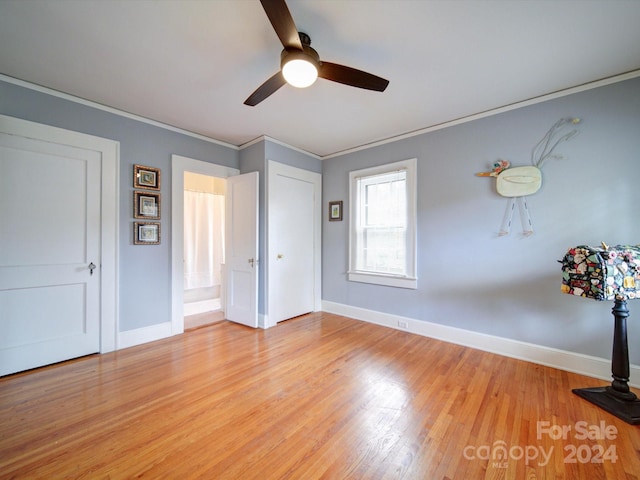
146,205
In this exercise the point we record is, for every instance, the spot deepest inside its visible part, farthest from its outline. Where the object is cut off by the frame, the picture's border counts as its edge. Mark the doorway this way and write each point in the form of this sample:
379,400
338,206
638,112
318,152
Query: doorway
185,290
241,218
204,204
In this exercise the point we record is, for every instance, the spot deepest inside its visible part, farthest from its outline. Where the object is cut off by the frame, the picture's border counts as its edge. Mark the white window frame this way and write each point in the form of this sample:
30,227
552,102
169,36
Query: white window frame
409,280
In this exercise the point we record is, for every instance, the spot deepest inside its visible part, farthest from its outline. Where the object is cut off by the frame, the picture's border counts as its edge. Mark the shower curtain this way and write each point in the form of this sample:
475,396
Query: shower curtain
203,239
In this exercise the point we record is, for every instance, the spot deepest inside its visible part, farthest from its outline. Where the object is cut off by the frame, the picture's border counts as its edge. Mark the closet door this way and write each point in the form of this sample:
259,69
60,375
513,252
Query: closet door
294,241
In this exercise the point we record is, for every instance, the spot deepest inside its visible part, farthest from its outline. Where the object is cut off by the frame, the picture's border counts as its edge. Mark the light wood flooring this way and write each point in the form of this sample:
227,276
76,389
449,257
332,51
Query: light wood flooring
319,396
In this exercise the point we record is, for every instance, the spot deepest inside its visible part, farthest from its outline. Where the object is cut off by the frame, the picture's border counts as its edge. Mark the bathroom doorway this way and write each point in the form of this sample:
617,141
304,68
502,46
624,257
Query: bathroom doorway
204,205
213,306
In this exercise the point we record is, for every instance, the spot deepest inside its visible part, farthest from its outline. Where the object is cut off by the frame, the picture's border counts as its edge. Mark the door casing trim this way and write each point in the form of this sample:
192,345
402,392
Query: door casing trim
179,165
276,168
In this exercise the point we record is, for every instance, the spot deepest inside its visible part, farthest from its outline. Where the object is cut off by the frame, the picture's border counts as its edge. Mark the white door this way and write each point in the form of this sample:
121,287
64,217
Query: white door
294,237
49,252
241,243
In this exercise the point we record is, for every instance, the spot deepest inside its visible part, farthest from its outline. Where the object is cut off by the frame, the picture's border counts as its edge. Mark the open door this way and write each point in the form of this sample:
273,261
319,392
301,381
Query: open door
241,241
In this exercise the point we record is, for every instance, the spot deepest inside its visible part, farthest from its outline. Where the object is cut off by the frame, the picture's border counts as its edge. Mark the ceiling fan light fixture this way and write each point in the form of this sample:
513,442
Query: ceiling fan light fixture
300,73
300,64
299,69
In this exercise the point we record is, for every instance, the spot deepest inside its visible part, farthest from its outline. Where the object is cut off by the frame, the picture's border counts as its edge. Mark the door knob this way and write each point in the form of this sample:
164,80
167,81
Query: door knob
92,267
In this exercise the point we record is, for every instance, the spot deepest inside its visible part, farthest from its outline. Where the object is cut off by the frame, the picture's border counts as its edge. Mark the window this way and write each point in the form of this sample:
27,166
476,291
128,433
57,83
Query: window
383,225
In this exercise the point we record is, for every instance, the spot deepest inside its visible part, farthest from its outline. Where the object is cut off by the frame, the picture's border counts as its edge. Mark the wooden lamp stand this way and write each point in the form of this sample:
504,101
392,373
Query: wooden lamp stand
617,399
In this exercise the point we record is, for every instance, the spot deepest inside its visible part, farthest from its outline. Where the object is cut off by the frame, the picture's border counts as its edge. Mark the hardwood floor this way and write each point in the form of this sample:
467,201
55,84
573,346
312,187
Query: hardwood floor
320,396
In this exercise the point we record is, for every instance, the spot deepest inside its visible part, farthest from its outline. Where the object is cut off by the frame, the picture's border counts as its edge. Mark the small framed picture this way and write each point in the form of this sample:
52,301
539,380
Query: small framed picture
146,233
146,205
335,211
146,177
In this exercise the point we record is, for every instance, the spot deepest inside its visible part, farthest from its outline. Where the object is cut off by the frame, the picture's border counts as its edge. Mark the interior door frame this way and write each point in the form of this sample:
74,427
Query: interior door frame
274,169
109,151
179,165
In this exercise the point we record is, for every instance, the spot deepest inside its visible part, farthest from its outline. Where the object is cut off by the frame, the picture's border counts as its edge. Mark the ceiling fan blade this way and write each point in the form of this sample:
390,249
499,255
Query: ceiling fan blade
351,76
283,23
266,89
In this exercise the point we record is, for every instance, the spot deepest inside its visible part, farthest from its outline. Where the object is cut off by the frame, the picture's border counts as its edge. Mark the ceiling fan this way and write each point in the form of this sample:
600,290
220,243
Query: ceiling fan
300,64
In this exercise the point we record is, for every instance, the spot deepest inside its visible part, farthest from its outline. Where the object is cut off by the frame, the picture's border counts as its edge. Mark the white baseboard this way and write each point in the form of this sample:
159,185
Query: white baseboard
551,357
138,336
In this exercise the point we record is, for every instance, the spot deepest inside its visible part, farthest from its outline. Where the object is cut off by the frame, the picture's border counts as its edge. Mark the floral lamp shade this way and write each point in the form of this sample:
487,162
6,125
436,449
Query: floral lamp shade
602,273
608,273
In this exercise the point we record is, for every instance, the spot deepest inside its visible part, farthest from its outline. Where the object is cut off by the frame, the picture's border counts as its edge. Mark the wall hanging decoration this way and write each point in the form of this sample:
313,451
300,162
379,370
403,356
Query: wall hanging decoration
146,205
335,211
146,177
608,273
146,233
516,183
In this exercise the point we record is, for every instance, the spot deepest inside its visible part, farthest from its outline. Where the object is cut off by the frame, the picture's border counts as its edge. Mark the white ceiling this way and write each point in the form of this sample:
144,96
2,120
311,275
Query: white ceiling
192,63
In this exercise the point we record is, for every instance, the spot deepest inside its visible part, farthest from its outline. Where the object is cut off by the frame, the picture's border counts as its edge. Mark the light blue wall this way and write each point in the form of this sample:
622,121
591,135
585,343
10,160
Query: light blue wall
145,271
281,154
507,286
254,158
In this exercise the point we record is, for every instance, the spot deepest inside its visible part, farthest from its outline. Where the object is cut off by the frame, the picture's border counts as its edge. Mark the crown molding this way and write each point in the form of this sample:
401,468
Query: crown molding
115,111
488,113
267,138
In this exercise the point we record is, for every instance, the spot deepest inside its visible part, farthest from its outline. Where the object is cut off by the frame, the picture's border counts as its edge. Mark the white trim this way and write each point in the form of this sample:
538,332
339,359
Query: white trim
110,228
138,336
514,106
380,279
252,142
179,165
262,138
115,111
408,279
109,151
489,113
276,168
551,357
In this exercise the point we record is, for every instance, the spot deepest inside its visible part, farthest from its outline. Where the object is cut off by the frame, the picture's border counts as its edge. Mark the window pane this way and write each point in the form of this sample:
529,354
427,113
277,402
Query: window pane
382,223
383,250
383,200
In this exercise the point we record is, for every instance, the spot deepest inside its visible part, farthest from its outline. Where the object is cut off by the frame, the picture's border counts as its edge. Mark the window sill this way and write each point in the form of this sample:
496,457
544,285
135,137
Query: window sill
386,280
